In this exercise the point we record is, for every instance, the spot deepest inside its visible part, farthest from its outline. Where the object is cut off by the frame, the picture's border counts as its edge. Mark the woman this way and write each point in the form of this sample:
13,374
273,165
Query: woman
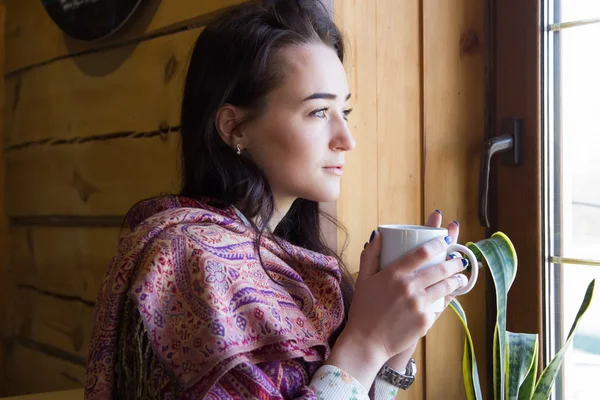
227,290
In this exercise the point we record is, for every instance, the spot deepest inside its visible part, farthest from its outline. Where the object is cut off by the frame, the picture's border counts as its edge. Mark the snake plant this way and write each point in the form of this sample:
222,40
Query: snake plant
515,355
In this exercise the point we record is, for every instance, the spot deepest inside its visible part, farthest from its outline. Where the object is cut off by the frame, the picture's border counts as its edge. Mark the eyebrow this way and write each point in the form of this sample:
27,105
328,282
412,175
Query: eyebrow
326,96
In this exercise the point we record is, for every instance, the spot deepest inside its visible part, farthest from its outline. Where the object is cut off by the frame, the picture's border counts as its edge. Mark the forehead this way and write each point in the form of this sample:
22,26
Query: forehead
310,69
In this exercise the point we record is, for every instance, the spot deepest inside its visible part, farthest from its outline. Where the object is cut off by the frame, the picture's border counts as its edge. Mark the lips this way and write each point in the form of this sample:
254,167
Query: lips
335,169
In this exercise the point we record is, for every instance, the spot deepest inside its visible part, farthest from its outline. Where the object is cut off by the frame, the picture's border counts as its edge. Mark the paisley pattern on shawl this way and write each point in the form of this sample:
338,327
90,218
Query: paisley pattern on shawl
206,302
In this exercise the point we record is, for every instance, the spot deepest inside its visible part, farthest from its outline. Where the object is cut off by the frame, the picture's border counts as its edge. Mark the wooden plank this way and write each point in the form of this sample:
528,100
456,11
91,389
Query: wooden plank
61,324
95,178
399,133
33,38
68,262
32,371
518,198
123,90
399,112
4,238
454,108
357,205
75,394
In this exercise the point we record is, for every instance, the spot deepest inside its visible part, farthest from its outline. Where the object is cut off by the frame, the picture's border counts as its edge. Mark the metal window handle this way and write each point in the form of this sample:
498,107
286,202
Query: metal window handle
508,143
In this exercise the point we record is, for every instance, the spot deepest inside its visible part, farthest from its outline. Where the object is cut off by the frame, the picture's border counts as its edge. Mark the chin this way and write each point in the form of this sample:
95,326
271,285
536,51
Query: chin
323,193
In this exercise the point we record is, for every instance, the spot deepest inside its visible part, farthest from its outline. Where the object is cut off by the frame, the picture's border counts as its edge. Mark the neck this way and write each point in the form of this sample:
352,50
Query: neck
281,207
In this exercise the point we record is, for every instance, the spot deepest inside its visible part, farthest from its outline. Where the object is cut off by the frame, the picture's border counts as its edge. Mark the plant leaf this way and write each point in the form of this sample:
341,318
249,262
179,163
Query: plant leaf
469,363
528,385
499,254
522,356
546,381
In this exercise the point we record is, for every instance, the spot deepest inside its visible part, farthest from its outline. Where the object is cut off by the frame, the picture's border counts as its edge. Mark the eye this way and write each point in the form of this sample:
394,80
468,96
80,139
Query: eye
345,113
320,113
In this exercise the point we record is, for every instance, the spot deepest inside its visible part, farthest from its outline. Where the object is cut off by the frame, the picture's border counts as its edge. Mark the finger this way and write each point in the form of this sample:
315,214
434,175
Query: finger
415,258
453,255
369,258
454,230
447,301
435,219
437,273
445,288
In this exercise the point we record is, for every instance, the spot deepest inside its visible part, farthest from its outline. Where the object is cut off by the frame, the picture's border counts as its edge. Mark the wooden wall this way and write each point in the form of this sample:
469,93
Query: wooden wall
416,69
89,130
86,126
3,221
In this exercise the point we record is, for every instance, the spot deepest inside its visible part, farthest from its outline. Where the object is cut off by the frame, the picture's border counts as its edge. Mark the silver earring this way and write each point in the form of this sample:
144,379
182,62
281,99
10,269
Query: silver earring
239,149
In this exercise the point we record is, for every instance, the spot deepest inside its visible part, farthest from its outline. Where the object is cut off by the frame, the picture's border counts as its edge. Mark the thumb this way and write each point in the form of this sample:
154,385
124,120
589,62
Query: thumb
369,258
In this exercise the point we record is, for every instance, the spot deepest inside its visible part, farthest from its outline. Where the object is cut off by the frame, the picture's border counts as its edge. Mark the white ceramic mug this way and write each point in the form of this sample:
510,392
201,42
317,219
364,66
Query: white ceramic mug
397,240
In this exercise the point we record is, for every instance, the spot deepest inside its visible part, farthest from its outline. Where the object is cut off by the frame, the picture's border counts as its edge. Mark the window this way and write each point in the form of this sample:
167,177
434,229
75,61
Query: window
571,71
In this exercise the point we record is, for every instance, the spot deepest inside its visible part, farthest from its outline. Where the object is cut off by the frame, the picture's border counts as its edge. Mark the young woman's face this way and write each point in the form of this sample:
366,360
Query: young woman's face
301,139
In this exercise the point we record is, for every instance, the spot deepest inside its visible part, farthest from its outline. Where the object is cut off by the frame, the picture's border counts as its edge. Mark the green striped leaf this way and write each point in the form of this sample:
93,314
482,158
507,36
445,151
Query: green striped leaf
522,358
469,363
499,255
528,385
546,381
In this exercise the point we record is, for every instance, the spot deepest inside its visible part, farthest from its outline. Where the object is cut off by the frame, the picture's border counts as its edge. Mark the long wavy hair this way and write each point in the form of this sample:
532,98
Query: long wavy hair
237,60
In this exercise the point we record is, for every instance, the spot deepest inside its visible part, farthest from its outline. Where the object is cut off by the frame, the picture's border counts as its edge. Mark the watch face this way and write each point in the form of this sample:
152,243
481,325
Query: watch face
90,19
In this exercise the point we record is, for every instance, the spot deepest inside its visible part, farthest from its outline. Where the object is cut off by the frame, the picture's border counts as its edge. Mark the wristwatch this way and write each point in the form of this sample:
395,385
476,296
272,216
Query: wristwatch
402,381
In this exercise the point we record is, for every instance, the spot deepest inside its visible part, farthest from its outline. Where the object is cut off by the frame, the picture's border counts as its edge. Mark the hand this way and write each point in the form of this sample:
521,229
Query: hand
399,361
390,309
435,221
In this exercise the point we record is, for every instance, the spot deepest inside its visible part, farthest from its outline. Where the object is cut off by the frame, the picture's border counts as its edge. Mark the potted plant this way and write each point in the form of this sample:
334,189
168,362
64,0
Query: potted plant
515,355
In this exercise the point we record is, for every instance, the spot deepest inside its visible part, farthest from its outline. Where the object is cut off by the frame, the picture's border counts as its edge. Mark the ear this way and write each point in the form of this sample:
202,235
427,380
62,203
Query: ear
227,120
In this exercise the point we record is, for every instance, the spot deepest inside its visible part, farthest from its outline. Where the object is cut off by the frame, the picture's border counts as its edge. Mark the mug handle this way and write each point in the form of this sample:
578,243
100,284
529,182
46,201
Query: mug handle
474,267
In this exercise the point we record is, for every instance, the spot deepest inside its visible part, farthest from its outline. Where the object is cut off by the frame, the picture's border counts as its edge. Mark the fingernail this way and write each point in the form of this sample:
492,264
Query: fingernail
372,237
461,281
452,256
448,239
456,222
465,262
438,211
366,243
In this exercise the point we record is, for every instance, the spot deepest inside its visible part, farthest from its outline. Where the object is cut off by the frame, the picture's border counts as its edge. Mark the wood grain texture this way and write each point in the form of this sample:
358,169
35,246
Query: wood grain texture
33,38
32,371
68,262
399,133
399,103
454,100
56,274
4,238
422,148
73,394
357,205
96,178
80,97
518,199
62,324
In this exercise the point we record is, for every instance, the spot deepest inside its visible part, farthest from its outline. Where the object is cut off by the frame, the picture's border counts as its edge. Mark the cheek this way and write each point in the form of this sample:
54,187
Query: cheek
290,145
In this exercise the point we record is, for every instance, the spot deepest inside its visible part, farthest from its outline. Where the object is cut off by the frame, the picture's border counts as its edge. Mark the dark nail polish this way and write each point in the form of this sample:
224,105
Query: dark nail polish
438,211
465,262
372,237
452,256
456,222
448,239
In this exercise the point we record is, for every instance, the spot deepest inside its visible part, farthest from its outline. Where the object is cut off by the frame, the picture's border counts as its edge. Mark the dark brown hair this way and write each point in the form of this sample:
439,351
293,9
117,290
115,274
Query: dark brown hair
236,60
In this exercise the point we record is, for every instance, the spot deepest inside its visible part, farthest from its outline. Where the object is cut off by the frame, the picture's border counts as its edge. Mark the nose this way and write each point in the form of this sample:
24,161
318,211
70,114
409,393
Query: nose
342,139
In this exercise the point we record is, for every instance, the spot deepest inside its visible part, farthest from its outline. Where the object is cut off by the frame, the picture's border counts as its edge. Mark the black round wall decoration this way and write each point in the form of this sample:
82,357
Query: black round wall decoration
90,19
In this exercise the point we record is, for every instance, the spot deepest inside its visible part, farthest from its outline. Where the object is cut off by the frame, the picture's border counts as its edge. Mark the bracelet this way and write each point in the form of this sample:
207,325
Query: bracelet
402,381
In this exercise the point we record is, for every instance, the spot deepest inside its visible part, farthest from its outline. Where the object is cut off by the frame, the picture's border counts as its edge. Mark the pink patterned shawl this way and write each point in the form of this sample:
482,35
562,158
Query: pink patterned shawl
206,302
